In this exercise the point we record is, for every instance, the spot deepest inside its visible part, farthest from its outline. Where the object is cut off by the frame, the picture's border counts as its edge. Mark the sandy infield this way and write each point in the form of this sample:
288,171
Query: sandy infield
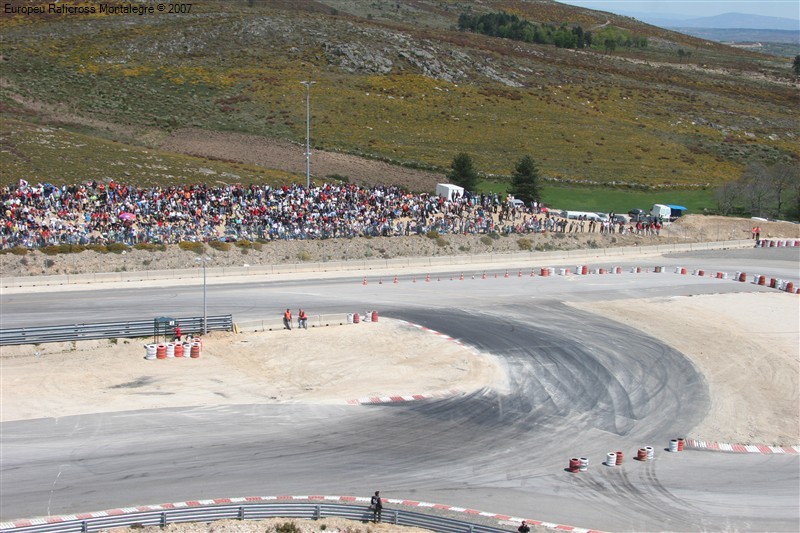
316,365
746,346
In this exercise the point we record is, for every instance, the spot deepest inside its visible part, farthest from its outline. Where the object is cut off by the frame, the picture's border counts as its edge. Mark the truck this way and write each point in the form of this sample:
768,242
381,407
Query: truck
667,212
449,191
661,212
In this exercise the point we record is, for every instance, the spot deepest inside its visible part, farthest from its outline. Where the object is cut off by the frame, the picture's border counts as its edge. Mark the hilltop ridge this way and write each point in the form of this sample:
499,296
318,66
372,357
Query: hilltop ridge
99,97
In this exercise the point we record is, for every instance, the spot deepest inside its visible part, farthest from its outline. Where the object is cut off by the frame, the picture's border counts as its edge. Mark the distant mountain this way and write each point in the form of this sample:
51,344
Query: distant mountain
738,20
724,21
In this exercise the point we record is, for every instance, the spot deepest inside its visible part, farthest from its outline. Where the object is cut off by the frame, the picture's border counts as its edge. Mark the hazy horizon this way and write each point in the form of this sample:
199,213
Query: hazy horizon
788,9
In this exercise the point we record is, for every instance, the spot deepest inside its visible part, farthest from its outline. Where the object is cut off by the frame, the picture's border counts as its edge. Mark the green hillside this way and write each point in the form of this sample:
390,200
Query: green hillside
395,81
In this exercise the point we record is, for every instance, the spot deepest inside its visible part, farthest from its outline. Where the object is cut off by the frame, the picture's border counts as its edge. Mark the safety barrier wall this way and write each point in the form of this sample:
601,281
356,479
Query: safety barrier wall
107,330
366,265
309,511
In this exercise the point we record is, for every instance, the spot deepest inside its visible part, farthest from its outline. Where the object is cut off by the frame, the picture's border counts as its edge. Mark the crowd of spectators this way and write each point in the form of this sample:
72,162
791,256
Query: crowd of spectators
103,213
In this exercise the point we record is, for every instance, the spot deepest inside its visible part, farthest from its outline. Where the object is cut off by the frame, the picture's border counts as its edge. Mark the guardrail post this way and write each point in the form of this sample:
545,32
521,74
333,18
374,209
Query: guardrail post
317,512
84,526
471,528
395,517
163,519
241,512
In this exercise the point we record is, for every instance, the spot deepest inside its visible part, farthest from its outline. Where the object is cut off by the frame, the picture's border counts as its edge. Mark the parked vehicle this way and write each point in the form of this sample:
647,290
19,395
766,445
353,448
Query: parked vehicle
602,217
638,215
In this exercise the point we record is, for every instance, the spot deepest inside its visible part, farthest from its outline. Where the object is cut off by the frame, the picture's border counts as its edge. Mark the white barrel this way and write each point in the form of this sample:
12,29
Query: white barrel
651,452
562,271
782,284
151,351
673,445
677,270
611,459
187,349
584,464
724,275
170,349
349,318
755,279
633,270
736,277
577,271
367,317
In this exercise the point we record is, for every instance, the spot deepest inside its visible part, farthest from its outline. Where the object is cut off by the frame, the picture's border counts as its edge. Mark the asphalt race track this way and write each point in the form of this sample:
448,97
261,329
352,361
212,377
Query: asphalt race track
580,385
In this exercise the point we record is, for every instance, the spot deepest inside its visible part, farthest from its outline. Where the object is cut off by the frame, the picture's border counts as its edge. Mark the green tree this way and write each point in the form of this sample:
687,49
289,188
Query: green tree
462,172
796,65
525,181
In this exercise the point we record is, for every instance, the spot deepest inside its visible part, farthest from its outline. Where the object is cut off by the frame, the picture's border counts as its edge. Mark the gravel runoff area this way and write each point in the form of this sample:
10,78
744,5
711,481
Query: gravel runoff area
754,349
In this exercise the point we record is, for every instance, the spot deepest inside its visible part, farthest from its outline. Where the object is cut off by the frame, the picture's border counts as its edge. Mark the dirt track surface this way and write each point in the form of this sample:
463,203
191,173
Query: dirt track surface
283,155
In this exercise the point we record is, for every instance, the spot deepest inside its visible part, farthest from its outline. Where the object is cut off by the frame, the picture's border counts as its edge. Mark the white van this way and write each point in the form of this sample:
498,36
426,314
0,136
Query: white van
661,211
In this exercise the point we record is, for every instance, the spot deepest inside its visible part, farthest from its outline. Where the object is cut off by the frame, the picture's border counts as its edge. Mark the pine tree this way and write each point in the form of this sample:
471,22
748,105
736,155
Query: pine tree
463,172
525,181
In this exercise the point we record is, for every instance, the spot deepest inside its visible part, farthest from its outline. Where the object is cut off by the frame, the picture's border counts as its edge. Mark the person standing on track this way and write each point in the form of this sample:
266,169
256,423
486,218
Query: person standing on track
287,319
302,319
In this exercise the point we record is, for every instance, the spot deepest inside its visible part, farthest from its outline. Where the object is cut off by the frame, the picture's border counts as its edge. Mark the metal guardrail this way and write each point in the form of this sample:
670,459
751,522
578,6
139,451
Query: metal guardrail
106,330
256,511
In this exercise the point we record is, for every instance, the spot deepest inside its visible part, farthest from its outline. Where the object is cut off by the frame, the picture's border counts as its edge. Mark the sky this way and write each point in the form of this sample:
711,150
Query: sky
789,9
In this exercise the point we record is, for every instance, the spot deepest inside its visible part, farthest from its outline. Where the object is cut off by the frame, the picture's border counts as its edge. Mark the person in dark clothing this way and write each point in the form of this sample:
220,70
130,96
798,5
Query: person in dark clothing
524,527
377,506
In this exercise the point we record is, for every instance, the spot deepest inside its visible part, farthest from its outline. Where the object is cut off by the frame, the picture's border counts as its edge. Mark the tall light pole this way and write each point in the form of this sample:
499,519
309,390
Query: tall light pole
308,85
203,260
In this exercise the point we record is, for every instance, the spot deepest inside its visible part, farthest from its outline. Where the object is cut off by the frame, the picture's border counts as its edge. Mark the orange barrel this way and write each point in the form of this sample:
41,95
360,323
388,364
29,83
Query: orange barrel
584,270
356,318
683,270
574,464
161,351
178,350
619,458
701,272
638,270
374,316
790,287
611,459
762,280
719,275
796,244
543,272
772,244
602,271
618,270
743,276
641,455
195,351
772,282
680,445
659,269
